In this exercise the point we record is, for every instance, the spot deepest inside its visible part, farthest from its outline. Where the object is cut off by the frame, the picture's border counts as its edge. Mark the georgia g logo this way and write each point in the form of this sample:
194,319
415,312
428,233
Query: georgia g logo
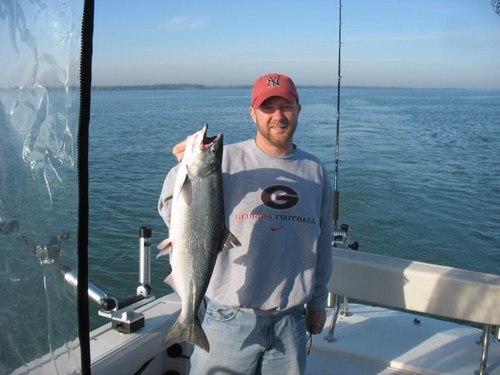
279,197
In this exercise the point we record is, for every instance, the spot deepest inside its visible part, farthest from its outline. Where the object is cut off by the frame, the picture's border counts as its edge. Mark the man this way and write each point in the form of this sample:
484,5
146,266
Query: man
266,293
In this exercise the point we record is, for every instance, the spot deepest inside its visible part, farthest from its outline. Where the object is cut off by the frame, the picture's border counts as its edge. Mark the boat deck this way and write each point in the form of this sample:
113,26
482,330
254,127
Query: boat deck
370,340
374,340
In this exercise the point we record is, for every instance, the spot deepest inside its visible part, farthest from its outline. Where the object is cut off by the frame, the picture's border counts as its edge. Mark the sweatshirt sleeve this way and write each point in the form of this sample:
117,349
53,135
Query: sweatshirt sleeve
325,256
165,200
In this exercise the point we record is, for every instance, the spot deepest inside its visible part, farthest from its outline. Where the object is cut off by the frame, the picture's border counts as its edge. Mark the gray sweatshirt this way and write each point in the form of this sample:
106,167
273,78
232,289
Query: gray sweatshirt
280,210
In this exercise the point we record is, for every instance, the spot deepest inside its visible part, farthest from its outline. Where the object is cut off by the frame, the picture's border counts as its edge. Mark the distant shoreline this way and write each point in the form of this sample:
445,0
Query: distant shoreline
195,86
192,86
183,86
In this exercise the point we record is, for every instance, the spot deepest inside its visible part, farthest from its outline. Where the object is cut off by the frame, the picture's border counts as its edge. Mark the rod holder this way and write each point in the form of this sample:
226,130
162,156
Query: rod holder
94,293
144,261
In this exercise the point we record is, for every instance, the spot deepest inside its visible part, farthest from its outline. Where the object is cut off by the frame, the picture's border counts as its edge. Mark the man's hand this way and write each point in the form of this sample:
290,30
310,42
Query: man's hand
178,150
315,321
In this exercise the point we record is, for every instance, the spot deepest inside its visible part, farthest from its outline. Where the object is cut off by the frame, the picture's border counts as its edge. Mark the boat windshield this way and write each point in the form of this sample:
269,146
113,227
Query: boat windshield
39,100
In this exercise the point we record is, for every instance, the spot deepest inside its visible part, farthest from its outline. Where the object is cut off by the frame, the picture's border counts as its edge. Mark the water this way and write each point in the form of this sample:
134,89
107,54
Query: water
418,170
424,182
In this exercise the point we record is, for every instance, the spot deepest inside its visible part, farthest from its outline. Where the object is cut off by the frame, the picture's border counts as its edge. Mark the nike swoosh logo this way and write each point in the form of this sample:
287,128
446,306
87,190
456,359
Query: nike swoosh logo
274,229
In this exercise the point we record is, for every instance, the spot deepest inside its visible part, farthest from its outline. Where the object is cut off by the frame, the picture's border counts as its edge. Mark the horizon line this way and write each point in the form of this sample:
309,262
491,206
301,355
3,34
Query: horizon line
194,86
187,86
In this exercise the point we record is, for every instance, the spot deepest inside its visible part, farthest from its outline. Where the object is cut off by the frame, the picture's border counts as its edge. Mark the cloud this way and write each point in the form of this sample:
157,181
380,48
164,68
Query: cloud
186,23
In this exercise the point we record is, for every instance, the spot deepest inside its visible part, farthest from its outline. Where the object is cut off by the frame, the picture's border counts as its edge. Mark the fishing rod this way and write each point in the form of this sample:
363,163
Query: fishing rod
342,233
337,138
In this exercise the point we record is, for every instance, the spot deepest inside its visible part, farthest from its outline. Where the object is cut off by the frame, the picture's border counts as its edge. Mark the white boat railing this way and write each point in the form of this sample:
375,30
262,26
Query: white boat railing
419,287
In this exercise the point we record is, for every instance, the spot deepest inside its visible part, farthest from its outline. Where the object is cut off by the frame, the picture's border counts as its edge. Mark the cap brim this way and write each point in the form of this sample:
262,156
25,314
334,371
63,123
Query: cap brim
282,93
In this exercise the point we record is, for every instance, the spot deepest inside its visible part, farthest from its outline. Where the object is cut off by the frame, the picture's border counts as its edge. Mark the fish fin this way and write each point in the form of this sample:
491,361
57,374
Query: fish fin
182,186
192,333
229,240
165,247
170,280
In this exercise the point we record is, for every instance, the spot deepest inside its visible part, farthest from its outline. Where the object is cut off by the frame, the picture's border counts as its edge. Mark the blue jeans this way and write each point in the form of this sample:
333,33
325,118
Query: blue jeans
245,342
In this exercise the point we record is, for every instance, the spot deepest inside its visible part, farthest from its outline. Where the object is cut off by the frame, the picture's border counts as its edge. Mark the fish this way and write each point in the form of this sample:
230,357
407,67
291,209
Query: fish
197,233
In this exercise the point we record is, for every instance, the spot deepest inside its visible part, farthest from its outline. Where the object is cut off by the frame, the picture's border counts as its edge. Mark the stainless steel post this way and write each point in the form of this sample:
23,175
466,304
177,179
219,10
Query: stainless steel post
485,343
144,261
331,331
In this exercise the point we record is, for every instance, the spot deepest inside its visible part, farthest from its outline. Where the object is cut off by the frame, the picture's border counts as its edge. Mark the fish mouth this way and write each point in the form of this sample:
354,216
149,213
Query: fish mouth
208,142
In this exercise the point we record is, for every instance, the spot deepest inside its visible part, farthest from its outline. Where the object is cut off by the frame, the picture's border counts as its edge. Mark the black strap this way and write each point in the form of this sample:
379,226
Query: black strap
83,182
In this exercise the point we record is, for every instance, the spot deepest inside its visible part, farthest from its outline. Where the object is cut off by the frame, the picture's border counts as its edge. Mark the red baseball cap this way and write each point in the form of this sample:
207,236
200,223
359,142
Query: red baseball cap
273,84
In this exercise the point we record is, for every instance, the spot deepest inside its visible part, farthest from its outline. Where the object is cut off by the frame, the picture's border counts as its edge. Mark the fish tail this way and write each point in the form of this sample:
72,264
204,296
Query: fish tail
192,333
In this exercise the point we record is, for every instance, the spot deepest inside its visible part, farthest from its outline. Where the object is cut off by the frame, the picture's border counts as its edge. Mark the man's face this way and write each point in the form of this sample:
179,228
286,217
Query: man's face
276,121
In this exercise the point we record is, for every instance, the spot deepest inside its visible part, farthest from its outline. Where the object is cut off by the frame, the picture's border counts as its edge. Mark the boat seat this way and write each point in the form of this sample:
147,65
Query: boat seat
416,286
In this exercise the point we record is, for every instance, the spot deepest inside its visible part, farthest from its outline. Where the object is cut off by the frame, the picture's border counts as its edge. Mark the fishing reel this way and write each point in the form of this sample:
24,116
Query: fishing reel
342,236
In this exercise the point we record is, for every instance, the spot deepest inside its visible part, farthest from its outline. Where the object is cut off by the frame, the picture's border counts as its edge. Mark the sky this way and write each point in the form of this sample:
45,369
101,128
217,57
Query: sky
389,43
395,43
